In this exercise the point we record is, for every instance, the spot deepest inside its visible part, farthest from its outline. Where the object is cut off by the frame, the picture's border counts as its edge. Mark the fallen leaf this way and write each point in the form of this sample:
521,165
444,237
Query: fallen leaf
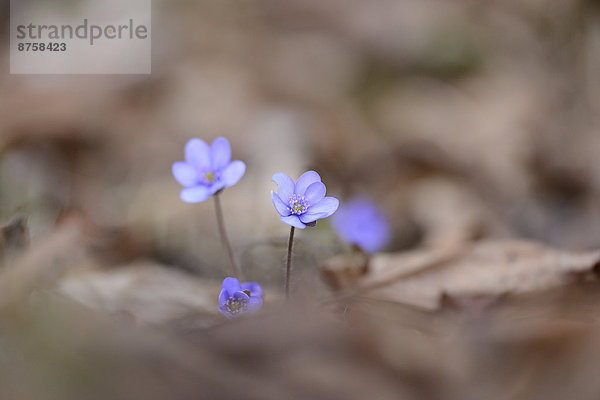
14,238
489,268
150,293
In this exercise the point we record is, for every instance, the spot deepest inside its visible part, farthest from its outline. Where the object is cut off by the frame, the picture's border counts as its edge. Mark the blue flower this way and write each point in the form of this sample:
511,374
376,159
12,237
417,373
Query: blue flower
236,299
361,222
304,202
206,169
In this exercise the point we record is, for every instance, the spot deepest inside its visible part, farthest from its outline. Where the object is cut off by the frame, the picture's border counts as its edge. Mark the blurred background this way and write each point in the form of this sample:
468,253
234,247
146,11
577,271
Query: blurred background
462,120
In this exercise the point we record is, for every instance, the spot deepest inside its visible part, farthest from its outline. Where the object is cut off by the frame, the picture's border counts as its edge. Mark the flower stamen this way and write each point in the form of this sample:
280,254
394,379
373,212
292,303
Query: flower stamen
298,204
236,306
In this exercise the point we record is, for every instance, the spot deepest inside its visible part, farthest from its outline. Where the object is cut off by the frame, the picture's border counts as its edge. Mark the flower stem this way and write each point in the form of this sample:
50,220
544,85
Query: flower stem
289,264
220,221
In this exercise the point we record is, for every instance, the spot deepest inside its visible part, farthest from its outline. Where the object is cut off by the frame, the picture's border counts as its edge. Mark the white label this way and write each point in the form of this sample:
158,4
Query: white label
80,37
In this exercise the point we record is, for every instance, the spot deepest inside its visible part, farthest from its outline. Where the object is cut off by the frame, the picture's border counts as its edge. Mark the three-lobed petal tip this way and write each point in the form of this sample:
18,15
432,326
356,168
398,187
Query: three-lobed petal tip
206,169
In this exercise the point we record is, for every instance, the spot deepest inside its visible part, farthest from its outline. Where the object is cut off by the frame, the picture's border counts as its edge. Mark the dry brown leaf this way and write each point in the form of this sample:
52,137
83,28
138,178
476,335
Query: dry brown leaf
489,268
151,294
344,270
14,238
43,264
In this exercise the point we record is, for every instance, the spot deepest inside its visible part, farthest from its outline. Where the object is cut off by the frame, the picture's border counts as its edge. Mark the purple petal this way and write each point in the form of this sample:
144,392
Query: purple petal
232,285
305,180
280,206
223,296
223,309
240,296
362,223
184,173
315,193
285,186
220,153
215,187
254,289
195,194
326,206
308,217
197,153
233,173
253,304
293,220
374,242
